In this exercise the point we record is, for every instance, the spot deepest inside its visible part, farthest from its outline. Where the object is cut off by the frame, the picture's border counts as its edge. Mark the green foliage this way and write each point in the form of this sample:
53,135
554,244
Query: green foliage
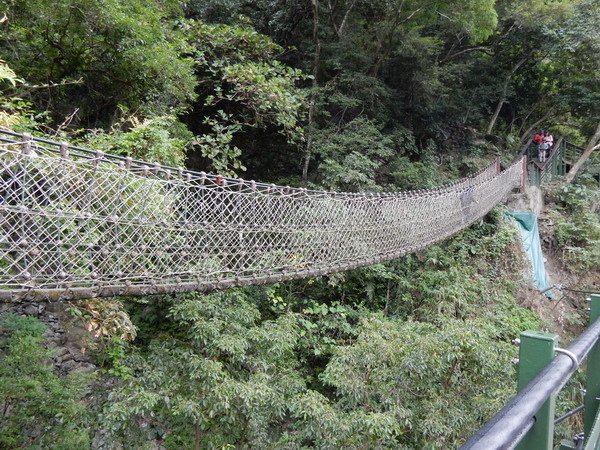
509,319
220,379
352,157
319,424
538,13
323,326
217,145
407,371
39,409
161,139
15,112
409,175
8,75
577,227
108,53
226,368
115,353
242,86
478,18
455,278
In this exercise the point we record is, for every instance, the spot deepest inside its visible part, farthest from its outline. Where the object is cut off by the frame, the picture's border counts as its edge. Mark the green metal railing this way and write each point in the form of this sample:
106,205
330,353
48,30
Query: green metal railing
591,166
527,421
563,155
573,152
543,173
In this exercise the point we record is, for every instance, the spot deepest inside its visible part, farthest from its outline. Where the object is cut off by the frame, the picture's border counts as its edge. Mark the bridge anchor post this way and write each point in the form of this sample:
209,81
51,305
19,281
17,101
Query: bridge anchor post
536,351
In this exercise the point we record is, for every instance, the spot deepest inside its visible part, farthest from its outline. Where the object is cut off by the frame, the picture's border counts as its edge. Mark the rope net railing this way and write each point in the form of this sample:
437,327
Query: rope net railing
75,223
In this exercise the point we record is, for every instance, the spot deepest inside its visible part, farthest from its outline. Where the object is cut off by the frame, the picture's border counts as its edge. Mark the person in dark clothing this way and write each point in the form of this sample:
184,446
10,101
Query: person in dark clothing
538,139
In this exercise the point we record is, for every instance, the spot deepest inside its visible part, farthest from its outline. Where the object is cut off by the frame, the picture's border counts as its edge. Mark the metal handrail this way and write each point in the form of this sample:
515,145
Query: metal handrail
506,429
548,167
542,173
556,150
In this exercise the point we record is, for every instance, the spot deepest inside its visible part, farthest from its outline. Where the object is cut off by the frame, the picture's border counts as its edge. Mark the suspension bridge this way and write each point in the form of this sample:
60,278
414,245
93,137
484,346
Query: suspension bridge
77,223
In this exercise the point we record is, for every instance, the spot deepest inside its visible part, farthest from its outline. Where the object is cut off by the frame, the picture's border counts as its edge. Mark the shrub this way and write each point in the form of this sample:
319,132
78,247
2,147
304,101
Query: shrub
38,409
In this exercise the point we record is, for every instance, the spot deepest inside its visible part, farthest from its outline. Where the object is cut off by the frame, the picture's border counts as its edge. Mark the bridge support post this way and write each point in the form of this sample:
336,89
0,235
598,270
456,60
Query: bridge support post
592,391
535,353
524,173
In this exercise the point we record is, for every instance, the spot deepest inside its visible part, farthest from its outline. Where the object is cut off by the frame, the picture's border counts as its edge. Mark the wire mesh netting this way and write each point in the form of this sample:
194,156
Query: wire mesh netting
77,223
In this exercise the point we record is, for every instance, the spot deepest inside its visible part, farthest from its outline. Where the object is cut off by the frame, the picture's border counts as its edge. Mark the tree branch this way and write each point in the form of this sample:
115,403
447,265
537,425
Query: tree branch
593,144
340,31
467,50
504,93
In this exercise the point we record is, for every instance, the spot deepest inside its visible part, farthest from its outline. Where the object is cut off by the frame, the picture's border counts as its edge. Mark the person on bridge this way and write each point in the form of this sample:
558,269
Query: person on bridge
548,139
538,138
543,149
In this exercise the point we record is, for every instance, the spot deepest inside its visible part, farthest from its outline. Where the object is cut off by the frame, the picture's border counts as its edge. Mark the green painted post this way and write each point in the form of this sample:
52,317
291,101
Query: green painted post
535,353
592,390
563,155
537,176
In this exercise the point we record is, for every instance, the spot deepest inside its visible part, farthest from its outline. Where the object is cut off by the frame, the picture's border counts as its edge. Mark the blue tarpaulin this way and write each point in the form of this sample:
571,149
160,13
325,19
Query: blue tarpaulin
530,237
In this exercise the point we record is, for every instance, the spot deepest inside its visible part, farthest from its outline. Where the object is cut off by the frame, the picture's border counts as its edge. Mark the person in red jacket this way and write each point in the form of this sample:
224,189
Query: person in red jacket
537,141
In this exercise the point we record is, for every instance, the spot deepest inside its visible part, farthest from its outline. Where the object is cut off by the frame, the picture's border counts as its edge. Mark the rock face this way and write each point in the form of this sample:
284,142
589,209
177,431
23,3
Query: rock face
532,200
69,354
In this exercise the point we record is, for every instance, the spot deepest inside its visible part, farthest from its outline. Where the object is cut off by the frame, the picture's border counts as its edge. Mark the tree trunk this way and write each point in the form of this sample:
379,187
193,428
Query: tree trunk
197,437
387,298
498,108
592,145
340,30
503,96
313,95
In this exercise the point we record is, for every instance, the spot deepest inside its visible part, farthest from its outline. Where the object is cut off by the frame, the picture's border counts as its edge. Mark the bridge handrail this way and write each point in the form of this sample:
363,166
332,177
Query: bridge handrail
55,147
507,428
550,166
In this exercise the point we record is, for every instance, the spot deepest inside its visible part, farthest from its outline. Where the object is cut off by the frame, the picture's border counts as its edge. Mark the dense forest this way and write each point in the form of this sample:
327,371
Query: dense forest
348,95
